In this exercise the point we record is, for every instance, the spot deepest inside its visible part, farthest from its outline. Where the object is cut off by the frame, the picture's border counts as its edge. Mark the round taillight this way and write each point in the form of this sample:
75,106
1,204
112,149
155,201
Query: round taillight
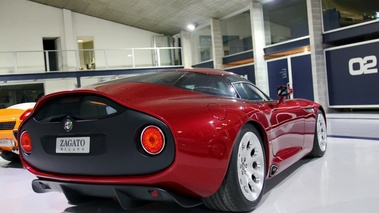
152,140
26,142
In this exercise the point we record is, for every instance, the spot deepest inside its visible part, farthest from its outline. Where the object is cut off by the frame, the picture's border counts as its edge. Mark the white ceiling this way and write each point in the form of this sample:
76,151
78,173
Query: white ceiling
167,17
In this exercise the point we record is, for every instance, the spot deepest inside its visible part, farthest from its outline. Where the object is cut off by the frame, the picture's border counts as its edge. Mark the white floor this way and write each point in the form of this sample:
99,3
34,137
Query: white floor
345,180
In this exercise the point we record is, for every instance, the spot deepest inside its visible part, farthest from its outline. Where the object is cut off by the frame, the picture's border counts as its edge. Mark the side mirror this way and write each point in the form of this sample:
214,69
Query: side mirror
283,92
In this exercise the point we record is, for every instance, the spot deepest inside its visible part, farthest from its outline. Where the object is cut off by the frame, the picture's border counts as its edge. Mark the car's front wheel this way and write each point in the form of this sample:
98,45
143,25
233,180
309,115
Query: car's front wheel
320,137
243,185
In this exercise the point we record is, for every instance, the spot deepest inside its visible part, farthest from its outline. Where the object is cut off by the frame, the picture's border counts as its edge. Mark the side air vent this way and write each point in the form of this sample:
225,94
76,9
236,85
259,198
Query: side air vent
273,170
7,125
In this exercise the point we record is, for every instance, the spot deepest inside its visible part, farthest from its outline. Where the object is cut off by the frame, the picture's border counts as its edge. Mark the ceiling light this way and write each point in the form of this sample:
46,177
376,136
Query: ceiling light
266,1
191,27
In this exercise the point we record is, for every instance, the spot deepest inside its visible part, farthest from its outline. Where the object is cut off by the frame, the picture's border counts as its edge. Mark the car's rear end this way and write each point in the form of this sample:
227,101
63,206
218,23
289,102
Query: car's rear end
86,137
10,119
7,124
87,134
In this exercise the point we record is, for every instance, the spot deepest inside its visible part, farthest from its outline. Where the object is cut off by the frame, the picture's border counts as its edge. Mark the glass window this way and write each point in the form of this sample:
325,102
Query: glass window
249,92
209,84
204,83
164,78
86,53
285,20
337,13
79,107
236,33
201,43
20,93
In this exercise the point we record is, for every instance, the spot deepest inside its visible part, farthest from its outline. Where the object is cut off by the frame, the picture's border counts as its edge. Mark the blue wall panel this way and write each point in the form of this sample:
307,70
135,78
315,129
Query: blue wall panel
302,77
246,71
353,78
277,75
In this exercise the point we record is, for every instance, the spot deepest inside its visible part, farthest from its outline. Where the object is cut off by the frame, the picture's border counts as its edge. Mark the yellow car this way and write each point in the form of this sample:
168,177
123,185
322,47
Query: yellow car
10,119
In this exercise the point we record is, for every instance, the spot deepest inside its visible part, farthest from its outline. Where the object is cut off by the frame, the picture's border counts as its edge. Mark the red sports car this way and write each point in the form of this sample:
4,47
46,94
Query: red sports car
193,136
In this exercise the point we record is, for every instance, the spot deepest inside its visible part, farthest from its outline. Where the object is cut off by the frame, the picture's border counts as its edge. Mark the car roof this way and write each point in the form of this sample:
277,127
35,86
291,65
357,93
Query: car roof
208,71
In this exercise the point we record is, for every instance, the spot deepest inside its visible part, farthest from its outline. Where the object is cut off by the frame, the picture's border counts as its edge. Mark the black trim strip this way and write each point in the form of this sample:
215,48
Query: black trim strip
354,137
238,57
287,46
351,32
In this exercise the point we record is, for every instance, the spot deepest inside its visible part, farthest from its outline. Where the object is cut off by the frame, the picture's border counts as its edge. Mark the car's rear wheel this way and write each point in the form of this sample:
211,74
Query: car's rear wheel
320,137
243,185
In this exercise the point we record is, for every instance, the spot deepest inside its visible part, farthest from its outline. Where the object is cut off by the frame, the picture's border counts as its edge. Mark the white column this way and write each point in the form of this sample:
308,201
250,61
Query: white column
217,46
68,42
258,36
320,89
186,49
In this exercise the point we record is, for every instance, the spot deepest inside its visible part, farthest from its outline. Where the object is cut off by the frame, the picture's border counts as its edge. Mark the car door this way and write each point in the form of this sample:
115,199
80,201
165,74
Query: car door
286,120
288,124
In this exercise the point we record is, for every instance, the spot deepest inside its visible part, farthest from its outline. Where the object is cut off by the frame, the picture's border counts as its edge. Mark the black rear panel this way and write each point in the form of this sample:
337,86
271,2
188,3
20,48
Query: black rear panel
113,132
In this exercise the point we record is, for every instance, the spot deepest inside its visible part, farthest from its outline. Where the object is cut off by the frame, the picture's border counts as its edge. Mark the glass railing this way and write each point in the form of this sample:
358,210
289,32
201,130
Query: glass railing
22,62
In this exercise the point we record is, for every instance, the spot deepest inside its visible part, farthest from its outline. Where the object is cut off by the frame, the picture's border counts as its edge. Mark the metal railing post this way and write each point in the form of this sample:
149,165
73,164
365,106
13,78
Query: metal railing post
77,60
15,62
158,57
106,58
47,61
133,59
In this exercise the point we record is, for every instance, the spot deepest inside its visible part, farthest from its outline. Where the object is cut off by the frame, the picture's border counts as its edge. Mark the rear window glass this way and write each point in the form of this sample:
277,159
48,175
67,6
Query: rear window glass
79,107
197,82
204,83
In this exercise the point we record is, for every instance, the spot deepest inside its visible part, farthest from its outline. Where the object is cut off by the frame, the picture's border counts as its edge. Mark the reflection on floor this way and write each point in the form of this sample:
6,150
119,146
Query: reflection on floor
353,125
344,180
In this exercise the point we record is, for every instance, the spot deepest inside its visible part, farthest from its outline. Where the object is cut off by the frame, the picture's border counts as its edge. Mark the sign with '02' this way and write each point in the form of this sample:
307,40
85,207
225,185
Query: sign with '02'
365,65
353,76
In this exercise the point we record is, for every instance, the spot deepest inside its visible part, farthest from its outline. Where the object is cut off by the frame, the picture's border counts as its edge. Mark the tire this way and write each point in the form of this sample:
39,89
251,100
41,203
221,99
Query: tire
320,137
10,156
243,185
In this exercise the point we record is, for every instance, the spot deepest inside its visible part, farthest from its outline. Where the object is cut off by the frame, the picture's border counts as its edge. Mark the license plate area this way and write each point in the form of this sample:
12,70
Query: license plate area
6,142
72,145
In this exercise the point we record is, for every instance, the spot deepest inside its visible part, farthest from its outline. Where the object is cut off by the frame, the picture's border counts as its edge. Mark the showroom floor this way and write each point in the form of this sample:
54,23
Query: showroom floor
344,180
